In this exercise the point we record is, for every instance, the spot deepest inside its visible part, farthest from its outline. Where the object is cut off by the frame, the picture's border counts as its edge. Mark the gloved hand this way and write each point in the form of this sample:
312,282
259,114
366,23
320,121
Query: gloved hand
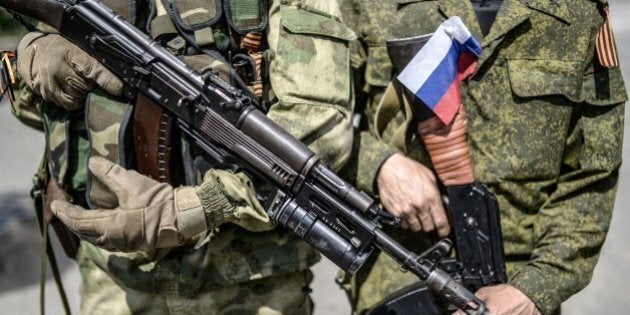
154,215
60,71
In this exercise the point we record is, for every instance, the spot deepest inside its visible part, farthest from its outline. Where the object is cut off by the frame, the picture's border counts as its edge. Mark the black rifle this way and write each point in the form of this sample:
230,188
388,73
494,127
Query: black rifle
474,216
312,201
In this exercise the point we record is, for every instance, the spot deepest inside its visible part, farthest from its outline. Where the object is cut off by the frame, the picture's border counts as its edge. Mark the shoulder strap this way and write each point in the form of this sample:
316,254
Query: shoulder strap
37,193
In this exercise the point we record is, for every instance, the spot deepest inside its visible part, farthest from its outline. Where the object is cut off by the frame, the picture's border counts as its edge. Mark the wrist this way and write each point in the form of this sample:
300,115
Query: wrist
382,169
216,207
191,218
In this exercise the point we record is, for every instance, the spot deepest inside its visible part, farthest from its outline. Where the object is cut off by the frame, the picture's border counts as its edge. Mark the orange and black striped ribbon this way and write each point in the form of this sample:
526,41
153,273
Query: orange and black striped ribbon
251,42
605,43
8,80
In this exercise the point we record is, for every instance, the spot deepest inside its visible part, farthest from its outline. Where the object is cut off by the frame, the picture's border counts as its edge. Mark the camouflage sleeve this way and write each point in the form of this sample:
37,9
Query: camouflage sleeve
368,154
358,54
388,132
571,226
27,106
310,76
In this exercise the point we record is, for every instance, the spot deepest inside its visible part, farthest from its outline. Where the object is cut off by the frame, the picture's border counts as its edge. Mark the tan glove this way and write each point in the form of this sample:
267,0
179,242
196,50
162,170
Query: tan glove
154,215
60,71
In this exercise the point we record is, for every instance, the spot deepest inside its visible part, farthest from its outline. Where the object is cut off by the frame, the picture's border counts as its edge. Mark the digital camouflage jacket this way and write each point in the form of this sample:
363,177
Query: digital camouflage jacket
545,133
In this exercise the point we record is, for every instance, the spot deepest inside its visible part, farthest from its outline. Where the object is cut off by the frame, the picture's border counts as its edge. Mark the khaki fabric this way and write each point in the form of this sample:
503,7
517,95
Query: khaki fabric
314,106
243,208
276,295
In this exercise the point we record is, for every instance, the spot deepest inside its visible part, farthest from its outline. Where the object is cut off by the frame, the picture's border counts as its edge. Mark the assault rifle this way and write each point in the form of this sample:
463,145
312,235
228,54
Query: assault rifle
312,201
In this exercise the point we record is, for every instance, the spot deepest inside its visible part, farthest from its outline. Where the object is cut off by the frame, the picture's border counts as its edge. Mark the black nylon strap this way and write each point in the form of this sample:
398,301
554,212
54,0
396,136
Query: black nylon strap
486,11
37,193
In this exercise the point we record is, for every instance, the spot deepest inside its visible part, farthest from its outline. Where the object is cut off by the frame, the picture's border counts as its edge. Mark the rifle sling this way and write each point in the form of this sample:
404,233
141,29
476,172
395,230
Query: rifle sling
69,241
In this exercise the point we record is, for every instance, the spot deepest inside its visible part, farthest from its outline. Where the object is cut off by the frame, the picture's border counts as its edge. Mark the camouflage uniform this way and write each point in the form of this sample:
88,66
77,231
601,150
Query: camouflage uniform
545,133
230,270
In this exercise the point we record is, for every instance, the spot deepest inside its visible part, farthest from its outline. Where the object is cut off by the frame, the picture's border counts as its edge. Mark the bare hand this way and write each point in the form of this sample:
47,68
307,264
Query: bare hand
408,189
504,299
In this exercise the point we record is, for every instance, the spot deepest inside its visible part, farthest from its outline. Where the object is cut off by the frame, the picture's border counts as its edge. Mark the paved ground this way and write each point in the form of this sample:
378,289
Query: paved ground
19,250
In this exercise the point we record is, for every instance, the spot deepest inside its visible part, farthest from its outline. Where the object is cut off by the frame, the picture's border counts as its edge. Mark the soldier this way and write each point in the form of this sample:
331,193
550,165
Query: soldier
208,246
545,110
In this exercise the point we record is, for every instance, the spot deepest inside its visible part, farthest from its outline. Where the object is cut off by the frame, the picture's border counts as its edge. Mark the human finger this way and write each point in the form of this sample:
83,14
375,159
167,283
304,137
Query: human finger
440,220
89,68
81,221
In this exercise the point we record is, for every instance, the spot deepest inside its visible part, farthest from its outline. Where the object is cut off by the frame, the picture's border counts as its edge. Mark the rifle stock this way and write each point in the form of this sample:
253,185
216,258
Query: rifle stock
309,199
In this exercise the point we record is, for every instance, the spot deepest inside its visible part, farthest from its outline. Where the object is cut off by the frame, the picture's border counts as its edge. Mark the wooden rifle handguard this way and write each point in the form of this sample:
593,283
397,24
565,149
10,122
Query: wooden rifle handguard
152,131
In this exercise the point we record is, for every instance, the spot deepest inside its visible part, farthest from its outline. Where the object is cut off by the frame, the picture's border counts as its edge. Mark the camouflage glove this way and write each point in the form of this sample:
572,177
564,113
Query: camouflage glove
61,72
151,214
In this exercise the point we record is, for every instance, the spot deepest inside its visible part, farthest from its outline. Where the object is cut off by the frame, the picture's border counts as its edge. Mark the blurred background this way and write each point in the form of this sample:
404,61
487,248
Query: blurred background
20,248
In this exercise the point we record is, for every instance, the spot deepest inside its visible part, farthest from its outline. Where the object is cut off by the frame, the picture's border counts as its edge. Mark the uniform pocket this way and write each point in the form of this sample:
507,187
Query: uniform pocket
531,78
552,32
301,21
311,58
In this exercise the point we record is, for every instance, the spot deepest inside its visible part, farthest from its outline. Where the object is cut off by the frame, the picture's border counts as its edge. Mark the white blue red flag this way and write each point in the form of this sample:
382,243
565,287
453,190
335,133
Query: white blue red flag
435,72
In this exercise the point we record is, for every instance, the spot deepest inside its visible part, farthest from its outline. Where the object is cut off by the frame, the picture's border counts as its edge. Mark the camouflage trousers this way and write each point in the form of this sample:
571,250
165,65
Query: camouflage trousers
276,295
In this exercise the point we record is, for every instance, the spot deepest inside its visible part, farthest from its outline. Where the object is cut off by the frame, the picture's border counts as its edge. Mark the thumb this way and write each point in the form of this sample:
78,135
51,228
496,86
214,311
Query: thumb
106,80
120,181
114,229
93,70
100,168
26,56
132,189
82,221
